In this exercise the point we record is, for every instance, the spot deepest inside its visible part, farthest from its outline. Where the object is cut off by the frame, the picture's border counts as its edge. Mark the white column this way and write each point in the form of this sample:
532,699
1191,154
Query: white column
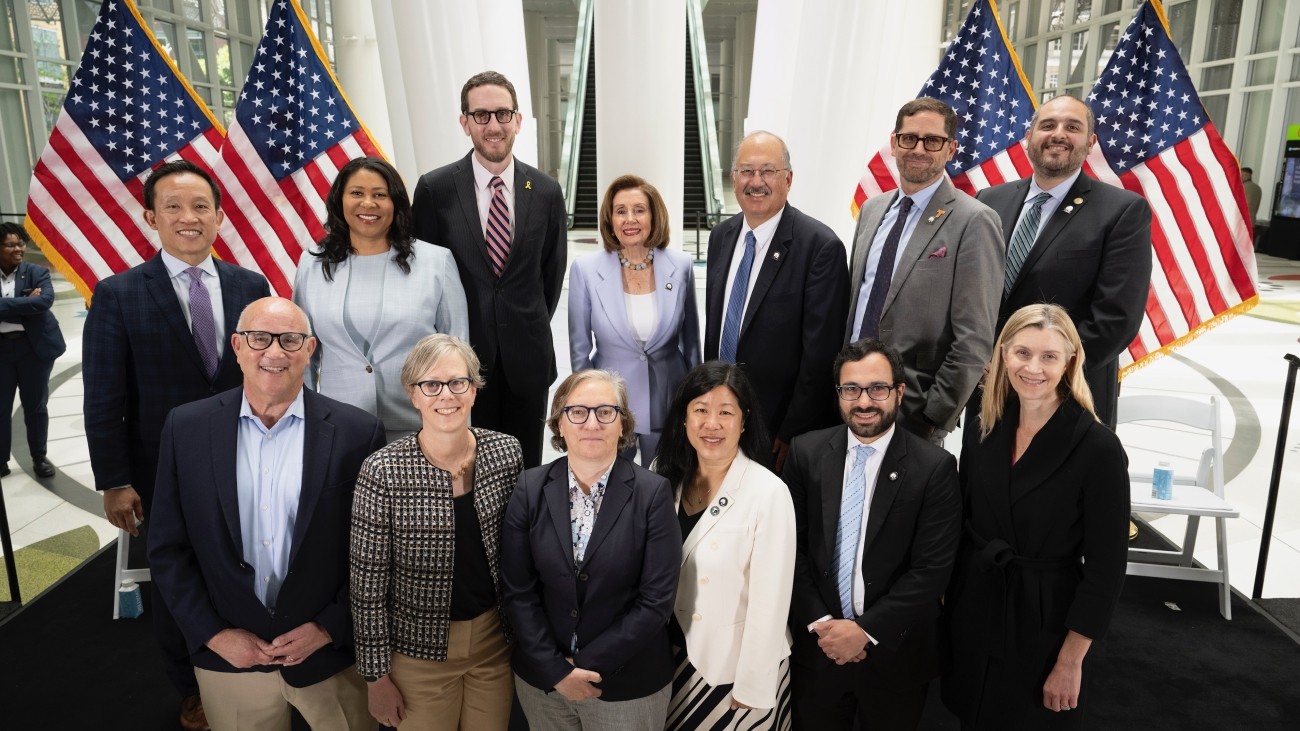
829,78
427,51
641,97
356,56
535,33
743,60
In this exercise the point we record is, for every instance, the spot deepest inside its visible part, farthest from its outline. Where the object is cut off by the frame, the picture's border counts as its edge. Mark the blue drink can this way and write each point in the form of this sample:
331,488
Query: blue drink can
1162,482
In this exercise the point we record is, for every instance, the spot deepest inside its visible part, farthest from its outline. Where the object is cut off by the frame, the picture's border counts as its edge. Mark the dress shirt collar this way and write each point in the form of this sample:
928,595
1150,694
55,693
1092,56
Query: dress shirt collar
880,445
921,198
482,176
763,234
295,409
176,267
1057,192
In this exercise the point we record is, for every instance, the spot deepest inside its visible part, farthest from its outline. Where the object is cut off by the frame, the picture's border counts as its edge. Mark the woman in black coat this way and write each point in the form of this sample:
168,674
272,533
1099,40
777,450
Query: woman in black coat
1042,559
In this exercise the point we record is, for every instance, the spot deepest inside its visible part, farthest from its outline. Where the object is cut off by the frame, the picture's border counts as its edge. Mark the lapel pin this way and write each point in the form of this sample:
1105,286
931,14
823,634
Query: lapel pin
722,501
1069,209
776,256
1078,201
714,510
893,476
937,215
528,185
668,286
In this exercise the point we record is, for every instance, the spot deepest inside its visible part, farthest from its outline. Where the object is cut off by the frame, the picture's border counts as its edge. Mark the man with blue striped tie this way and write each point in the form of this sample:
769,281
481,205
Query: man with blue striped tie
877,518
776,295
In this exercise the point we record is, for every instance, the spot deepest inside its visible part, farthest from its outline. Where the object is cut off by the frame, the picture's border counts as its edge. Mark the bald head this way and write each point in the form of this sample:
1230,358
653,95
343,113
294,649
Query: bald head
273,345
761,176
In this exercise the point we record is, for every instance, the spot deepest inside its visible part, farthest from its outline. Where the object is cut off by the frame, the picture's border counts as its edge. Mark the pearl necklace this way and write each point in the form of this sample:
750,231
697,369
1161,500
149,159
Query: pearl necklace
649,259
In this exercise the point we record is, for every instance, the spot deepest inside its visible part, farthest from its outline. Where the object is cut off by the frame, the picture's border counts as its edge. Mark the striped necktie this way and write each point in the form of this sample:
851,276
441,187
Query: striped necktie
1022,240
498,226
736,305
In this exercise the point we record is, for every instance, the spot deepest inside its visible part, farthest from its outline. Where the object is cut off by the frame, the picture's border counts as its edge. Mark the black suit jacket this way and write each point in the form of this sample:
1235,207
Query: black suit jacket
794,319
1095,261
617,601
33,313
195,541
139,362
911,538
510,316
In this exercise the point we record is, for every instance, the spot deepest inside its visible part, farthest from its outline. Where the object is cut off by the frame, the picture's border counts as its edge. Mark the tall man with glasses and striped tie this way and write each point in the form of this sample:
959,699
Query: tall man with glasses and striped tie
927,264
877,519
776,294
504,222
1076,242
157,337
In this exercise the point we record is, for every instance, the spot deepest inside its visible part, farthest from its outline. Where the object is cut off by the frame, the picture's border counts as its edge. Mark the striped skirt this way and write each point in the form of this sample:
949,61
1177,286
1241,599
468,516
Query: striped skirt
697,705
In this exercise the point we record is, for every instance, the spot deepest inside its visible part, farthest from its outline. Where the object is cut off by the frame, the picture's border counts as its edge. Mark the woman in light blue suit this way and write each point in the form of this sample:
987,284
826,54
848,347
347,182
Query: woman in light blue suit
372,291
632,306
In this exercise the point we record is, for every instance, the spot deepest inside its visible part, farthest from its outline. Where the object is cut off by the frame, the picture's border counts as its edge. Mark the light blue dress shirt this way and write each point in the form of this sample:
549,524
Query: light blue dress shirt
269,478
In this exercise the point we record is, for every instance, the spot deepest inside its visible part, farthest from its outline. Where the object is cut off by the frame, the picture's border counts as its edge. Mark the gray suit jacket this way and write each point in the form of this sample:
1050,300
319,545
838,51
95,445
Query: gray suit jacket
425,301
942,302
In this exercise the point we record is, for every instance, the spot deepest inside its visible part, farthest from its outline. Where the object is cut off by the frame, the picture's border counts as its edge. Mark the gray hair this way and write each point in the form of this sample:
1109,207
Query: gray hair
433,348
626,439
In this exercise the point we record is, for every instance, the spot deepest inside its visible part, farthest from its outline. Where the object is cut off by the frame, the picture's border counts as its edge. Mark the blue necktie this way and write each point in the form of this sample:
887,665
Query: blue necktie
1022,240
884,274
846,543
736,305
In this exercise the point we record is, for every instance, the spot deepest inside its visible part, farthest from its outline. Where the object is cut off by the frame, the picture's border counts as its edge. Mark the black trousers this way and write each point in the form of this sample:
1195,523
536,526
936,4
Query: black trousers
831,697
522,415
22,372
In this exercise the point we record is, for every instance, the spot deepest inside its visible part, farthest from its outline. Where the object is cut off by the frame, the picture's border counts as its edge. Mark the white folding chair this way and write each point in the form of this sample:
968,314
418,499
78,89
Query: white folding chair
1194,497
122,573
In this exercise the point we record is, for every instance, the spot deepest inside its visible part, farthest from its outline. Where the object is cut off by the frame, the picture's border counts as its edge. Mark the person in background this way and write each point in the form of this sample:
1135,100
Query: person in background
733,596
30,341
426,559
632,306
1254,194
372,291
590,554
1046,495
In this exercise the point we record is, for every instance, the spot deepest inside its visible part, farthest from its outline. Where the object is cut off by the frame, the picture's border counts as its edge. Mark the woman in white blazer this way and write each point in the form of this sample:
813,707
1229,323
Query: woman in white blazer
729,630
632,306
372,291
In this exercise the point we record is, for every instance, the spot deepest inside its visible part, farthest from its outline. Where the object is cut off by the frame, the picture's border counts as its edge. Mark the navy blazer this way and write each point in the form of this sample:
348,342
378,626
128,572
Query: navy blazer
196,545
33,313
510,315
794,319
617,601
139,362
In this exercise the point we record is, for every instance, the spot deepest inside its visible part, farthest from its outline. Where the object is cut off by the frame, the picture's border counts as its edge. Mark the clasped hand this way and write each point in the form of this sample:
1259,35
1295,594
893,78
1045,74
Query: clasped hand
842,640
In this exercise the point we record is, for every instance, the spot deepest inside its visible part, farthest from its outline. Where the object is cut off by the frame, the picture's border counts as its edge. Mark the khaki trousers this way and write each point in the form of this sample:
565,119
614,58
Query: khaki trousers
260,701
470,691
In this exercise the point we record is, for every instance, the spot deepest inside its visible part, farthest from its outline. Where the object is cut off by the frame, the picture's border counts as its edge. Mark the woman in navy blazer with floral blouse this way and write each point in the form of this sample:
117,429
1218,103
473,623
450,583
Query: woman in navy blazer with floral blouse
632,306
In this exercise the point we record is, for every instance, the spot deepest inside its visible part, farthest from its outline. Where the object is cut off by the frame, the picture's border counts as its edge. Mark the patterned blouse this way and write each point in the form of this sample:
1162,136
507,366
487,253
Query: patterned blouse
403,546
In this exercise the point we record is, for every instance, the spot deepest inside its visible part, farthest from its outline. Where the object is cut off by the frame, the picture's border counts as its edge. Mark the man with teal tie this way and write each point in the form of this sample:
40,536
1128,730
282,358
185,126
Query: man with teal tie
877,518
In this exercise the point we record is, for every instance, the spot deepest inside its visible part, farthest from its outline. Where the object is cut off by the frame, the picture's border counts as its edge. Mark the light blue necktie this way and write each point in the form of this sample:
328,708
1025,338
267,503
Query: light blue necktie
736,305
846,551
1022,240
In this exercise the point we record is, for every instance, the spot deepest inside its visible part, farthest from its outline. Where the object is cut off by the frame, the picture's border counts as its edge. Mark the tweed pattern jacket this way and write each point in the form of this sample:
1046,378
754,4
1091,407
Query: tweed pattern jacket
403,545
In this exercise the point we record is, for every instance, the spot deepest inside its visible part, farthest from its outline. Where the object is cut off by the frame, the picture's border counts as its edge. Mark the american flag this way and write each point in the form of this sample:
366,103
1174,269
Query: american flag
126,111
293,130
1155,139
980,78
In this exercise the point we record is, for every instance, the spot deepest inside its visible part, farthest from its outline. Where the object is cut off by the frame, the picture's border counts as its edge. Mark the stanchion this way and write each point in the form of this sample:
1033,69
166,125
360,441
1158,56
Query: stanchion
11,568
1278,455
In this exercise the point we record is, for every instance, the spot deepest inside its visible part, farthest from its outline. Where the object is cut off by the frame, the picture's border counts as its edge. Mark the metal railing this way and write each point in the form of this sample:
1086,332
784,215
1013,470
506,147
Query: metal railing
577,101
706,124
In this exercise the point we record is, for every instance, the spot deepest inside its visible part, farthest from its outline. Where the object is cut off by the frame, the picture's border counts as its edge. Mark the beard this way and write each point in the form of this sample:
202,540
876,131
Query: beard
866,431
1057,167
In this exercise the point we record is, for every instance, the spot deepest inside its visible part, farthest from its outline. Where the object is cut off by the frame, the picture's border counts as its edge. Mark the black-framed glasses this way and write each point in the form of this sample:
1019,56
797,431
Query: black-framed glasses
765,173
433,388
605,413
875,392
932,143
483,116
261,340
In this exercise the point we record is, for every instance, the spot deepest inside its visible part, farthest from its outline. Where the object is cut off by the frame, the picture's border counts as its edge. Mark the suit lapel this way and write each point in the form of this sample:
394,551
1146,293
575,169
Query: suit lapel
777,254
465,191
889,481
665,301
158,283
555,493
832,487
996,456
618,490
1047,236
1048,451
1010,210
609,290
716,273
730,489
317,439
223,435
927,226
523,193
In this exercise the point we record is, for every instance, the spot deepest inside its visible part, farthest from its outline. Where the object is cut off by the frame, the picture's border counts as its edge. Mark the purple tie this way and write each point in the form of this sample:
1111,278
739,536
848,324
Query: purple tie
201,322
498,227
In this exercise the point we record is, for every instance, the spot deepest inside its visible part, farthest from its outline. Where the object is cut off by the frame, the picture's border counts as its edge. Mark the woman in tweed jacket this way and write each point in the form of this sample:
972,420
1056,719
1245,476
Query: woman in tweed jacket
426,583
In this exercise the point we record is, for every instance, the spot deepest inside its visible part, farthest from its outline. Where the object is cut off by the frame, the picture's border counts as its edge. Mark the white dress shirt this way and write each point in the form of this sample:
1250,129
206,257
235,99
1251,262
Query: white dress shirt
8,283
762,240
181,285
483,191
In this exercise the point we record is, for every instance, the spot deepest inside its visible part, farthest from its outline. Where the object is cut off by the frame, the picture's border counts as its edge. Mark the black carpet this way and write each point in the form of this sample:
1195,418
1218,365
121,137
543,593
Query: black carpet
65,664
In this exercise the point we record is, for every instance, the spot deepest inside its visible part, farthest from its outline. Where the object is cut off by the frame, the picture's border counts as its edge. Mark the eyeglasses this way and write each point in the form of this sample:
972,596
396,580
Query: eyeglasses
605,413
433,388
933,143
261,340
765,173
875,392
483,116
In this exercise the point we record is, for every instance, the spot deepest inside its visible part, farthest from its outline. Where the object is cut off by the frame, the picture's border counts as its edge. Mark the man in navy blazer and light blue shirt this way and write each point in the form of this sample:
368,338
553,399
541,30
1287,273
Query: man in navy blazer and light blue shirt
782,322
30,341
252,519
141,358
935,297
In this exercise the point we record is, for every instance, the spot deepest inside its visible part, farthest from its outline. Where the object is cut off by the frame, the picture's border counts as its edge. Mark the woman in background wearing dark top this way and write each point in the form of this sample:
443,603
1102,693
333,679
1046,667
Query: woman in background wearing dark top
1042,559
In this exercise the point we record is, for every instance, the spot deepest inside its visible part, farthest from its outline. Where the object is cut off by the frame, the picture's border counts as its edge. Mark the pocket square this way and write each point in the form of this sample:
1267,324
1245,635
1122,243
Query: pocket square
939,253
